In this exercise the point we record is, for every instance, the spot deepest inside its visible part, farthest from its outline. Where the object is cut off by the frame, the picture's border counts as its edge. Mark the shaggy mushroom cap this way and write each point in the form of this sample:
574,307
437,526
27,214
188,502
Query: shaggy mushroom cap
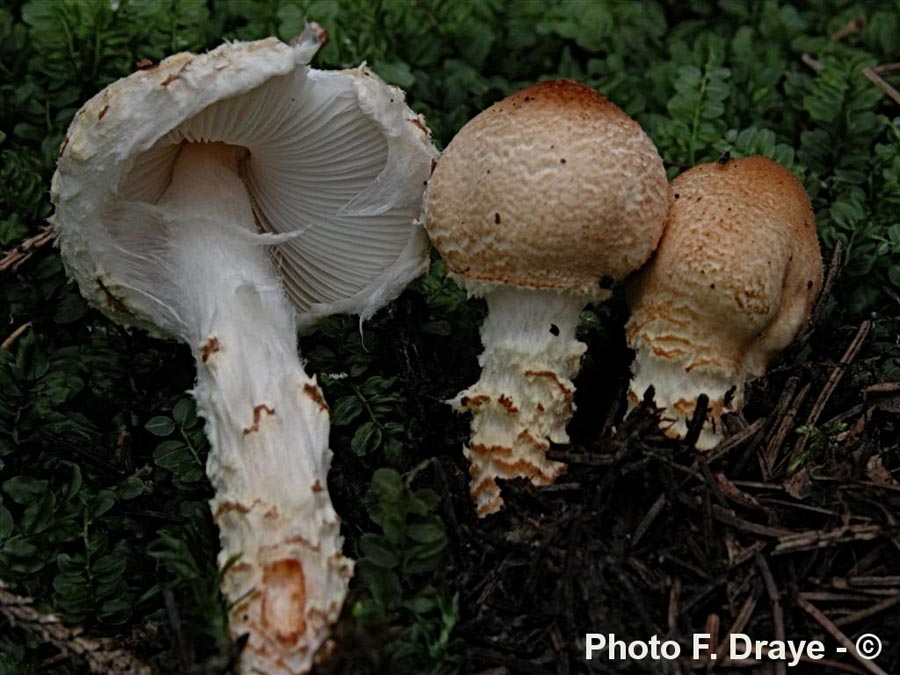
334,163
540,204
212,199
551,188
732,284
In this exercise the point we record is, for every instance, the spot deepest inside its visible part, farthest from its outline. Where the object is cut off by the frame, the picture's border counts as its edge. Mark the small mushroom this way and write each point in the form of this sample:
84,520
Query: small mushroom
731,285
221,199
539,204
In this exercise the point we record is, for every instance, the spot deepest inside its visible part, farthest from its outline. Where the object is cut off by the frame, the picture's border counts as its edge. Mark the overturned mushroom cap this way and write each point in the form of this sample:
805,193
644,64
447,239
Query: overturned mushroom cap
731,285
171,187
334,162
553,187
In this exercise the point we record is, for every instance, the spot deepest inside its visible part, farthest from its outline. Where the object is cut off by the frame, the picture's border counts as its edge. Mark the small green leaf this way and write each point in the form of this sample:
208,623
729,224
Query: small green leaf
131,487
347,409
160,425
426,551
182,413
387,484
428,497
382,583
421,604
6,522
379,551
426,533
111,565
377,385
101,503
894,275
894,233
366,439
39,513
71,308
24,490
395,72
393,525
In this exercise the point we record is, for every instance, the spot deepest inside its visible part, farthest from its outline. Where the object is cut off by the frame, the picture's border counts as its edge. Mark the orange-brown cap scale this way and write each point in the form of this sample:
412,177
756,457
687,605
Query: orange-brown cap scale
554,187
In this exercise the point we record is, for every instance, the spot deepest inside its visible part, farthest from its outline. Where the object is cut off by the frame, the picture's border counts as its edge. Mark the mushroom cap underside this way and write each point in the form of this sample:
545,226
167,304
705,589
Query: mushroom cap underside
553,187
335,168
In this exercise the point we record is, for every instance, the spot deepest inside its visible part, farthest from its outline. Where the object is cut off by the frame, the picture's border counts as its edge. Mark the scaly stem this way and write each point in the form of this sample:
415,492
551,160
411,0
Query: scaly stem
266,419
524,398
677,385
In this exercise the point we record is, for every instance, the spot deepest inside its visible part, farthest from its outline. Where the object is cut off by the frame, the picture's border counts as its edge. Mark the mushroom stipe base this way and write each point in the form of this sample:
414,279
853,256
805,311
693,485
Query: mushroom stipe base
524,398
266,418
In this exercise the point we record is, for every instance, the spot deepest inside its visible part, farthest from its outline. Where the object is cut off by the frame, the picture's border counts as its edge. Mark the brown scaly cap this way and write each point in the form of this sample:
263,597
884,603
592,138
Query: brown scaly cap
731,284
553,187
737,270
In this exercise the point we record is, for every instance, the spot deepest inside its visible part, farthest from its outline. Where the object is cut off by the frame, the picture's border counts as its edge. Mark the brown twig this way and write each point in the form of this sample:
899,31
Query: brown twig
851,28
15,335
837,634
15,257
736,441
887,68
842,597
873,75
868,612
833,380
770,455
101,655
740,622
775,601
674,597
837,256
698,419
877,582
184,649
648,519
811,62
879,82
807,541
728,518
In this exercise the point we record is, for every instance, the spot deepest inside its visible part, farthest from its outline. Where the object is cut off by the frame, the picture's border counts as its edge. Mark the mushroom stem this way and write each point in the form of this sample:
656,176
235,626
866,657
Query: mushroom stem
677,385
266,419
524,398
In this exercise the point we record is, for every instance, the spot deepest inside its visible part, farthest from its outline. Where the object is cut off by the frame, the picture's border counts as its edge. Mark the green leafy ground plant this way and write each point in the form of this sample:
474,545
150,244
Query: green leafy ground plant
103,500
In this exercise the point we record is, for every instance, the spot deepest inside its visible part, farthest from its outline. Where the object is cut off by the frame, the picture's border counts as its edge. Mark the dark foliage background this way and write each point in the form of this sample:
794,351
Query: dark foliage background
103,514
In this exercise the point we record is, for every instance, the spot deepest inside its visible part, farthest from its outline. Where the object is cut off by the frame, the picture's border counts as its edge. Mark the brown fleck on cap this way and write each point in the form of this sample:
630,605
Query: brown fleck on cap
553,187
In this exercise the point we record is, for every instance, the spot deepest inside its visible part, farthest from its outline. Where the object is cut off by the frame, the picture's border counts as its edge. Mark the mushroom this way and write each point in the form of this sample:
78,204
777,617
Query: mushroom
215,199
539,204
731,285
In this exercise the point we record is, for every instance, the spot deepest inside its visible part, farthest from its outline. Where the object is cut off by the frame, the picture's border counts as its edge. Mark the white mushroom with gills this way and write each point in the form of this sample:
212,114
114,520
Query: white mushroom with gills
221,199
732,284
539,204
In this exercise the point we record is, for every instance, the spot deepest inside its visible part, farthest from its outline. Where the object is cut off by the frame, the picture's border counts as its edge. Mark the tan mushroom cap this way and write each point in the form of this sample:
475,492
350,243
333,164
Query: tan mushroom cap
736,273
553,187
